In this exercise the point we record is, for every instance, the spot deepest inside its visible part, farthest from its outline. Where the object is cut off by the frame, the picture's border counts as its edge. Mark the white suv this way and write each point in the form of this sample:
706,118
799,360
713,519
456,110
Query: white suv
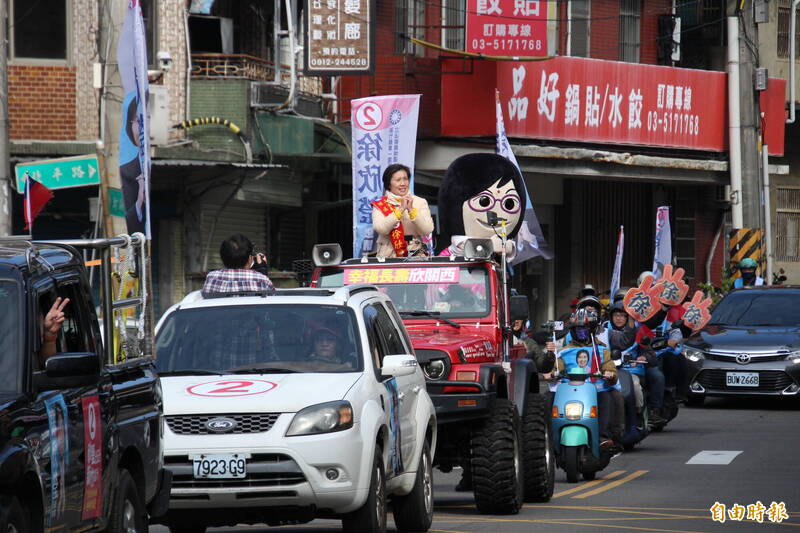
281,409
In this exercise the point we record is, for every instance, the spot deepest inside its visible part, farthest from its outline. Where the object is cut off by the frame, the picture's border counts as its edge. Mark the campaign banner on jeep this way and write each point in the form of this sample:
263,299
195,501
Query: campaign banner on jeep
591,100
384,132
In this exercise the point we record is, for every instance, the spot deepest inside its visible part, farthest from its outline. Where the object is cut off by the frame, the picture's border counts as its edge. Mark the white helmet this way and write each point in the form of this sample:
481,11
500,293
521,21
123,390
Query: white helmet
644,275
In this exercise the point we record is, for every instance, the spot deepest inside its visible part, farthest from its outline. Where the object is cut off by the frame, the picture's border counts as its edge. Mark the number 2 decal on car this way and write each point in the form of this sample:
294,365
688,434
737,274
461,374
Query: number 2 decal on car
229,388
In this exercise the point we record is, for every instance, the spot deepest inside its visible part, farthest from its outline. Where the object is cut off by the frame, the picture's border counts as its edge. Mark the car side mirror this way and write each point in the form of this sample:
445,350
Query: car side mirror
518,307
398,365
70,369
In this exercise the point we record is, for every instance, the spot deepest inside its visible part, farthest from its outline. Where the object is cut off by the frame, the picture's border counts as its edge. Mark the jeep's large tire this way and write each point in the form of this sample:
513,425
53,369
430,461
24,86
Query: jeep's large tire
370,517
18,518
538,457
497,470
127,510
414,511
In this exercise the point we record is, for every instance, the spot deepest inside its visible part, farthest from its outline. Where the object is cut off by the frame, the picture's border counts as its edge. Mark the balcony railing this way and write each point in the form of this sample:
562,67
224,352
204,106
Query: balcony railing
246,67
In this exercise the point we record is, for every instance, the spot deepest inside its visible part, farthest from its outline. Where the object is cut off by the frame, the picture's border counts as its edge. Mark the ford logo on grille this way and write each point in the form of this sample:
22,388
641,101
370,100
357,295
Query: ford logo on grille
221,424
743,358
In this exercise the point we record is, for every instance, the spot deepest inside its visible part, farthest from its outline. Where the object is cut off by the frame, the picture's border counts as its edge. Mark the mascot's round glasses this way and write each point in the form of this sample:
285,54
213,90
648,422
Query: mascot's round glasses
485,201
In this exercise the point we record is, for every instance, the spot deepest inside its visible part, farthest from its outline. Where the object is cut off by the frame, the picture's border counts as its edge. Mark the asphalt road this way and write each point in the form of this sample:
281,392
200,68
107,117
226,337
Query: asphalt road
662,486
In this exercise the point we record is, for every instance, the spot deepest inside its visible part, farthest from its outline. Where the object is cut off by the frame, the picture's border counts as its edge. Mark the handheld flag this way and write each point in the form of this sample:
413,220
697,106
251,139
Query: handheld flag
36,197
663,252
530,240
617,264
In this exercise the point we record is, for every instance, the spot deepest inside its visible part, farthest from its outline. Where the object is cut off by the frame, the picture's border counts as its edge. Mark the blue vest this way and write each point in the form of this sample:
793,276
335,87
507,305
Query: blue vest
739,282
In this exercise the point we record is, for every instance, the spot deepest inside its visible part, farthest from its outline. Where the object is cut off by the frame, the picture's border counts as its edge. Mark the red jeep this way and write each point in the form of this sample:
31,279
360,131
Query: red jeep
492,419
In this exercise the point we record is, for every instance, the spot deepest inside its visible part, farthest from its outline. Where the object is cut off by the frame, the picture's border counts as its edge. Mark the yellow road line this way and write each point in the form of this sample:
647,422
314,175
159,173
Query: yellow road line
588,484
611,485
566,522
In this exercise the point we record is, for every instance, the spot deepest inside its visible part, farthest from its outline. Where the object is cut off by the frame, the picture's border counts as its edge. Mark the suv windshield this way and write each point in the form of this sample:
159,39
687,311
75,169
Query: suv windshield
10,327
259,338
758,308
448,291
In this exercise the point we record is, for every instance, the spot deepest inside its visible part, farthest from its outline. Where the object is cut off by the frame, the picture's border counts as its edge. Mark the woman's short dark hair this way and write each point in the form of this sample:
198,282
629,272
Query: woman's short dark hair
389,172
235,251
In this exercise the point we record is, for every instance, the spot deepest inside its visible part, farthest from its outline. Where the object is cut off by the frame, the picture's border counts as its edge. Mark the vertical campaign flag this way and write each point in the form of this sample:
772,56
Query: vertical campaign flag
617,264
36,196
663,253
530,240
134,139
384,133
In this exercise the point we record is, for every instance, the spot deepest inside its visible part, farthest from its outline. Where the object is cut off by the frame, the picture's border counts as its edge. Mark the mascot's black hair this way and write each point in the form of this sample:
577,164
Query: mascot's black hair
464,178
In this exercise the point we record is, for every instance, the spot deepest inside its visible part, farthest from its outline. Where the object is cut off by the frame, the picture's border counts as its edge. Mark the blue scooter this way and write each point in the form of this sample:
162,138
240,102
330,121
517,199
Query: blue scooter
576,428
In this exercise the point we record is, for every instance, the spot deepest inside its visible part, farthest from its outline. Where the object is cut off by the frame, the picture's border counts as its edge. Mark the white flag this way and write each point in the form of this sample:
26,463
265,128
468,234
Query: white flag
663,253
617,264
530,240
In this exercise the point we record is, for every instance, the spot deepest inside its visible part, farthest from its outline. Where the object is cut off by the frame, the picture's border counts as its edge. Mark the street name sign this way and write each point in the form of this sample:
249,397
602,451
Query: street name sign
62,173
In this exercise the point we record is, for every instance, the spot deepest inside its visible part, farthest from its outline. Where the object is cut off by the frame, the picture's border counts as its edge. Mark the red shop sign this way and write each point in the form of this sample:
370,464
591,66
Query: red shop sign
515,28
591,100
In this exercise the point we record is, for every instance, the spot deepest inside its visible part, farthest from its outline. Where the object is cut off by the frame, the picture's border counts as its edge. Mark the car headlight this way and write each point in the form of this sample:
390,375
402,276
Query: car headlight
435,369
322,418
693,355
573,410
794,357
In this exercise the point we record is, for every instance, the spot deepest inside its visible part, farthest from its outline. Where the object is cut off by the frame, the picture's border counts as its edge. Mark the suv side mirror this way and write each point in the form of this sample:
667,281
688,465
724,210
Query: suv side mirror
65,370
518,307
398,365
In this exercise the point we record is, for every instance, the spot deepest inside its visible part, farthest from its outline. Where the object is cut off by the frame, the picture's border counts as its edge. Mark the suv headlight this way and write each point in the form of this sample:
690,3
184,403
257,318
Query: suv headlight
573,410
436,369
322,418
693,355
794,357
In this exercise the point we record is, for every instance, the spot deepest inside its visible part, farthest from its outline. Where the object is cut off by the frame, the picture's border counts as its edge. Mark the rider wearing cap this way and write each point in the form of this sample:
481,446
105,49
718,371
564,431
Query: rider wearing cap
747,269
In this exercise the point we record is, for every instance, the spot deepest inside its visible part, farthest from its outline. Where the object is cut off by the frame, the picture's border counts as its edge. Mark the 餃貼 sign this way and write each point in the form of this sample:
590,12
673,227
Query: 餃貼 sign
339,37
516,28
591,100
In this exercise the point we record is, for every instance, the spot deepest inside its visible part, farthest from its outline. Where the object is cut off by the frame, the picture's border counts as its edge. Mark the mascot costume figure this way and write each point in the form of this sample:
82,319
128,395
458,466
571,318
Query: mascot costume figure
479,189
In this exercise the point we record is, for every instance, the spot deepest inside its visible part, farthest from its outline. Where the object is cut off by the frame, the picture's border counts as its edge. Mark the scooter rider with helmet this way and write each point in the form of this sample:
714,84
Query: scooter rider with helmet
748,278
582,326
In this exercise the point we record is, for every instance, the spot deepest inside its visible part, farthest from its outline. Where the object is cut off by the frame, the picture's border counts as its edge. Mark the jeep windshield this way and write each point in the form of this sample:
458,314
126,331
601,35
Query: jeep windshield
253,339
446,291
10,335
754,308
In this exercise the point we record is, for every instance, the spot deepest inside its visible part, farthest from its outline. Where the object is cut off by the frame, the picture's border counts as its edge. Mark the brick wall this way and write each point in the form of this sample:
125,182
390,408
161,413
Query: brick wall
42,102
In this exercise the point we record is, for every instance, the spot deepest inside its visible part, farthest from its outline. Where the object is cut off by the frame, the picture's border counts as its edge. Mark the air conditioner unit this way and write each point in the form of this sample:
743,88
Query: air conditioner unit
158,112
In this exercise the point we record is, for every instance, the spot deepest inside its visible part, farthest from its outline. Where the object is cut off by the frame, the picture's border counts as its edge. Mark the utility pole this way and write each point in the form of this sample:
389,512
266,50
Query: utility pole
750,197
5,166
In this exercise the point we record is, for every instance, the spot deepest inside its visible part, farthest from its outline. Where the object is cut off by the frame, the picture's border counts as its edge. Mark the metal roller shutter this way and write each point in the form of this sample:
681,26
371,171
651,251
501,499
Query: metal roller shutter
235,218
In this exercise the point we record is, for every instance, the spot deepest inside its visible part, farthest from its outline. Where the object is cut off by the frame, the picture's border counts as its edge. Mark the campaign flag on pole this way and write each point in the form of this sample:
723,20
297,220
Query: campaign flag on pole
384,132
663,253
530,240
617,264
134,138
36,196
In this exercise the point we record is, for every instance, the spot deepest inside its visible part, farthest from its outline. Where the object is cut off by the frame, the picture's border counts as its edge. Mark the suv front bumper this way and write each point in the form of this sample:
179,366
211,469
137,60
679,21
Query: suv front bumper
286,472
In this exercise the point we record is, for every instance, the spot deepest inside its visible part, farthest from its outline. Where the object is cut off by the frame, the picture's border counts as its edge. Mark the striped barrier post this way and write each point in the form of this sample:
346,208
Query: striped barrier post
745,242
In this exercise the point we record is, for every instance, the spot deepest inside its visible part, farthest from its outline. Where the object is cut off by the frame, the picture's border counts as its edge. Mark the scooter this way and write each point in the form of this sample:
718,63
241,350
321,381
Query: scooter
670,403
575,426
636,424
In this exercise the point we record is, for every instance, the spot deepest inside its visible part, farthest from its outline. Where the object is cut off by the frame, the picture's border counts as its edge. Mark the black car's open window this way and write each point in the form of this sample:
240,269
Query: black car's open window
11,353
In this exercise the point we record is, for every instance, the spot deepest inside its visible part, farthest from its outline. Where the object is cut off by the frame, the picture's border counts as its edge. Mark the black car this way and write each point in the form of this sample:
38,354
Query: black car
80,433
751,346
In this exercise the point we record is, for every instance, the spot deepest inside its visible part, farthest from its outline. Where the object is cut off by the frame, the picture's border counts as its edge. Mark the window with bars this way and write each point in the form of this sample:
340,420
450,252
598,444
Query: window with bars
409,22
630,12
787,224
683,233
455,14
579,28
784,28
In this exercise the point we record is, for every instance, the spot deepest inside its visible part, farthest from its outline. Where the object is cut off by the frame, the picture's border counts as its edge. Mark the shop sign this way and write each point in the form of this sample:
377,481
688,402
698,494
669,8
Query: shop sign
595,101
339,37
515,28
